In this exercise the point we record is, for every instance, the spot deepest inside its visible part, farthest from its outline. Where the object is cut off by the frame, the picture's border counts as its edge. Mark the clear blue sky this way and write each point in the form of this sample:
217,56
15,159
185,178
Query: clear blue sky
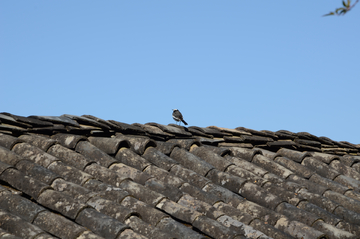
268,65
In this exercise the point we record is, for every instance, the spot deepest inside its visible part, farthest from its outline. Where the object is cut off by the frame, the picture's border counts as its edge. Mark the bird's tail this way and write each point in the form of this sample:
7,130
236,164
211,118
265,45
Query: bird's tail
184,122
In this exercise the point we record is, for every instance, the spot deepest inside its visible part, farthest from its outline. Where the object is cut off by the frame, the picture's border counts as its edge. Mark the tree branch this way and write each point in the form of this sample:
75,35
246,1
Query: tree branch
342,10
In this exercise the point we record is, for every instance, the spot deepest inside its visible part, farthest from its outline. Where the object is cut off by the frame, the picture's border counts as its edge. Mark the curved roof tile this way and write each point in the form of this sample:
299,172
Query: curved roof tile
84,177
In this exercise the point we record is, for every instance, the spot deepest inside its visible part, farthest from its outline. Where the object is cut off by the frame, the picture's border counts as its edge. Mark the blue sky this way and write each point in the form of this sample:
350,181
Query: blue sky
266,65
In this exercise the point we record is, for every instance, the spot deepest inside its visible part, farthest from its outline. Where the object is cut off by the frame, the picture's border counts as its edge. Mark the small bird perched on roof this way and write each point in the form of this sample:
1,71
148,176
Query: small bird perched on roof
177,116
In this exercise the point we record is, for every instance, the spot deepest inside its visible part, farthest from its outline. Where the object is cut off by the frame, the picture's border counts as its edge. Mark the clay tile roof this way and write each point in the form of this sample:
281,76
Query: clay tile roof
74,176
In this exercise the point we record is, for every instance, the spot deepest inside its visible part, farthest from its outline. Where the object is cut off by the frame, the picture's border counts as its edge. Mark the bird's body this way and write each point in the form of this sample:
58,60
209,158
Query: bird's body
177,116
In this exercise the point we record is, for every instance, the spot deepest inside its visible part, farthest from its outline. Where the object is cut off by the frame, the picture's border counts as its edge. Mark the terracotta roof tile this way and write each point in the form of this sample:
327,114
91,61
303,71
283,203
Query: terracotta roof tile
20,206
8,141
68,140
146,229
84,177
21,228
127,128
20,181
64,227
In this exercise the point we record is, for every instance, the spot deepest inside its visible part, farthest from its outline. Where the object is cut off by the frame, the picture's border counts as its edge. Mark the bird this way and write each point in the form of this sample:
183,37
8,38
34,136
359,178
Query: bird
177,116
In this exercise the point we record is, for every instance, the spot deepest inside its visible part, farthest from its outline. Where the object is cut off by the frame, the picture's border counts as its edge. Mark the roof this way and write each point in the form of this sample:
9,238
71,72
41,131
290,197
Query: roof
84,177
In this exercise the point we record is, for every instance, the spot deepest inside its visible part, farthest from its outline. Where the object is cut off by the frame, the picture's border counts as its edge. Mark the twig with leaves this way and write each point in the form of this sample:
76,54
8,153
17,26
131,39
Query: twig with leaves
342,10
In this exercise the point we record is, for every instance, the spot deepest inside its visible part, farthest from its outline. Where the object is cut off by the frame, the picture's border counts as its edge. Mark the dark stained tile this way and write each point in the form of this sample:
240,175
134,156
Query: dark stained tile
320,168
111,208
191,161
226,180
43,143
27,120
260,196
138,143
253,139
346,202
199,194
215,229
196,131
9,157
295,167
331,231
105,175
154,131
8,141
158,158
344,169
142,193
166,147
178,211
56,120
224,194
49,130
269,230
127,128
329,184
308,184
6,235
37,171
12,130
69,156
99,223
297,214
20,181
271,166
293,154
128,157
244,153
19,227
262,133
57,225
178,230
106,191
229,132
9,121
34,154
70,173
285,134
87,121
164,176
94,154
130,172
61,203
143,228
289,144
68,140
128,233
147,213
75,191
20,206
352,161
212,141
109,145
172,129
211,157
298,229
185,143
239,162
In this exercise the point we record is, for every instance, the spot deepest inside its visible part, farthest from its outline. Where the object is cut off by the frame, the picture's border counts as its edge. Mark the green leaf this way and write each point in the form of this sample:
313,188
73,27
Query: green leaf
329,14
344,3
343,12
339,9
348,3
